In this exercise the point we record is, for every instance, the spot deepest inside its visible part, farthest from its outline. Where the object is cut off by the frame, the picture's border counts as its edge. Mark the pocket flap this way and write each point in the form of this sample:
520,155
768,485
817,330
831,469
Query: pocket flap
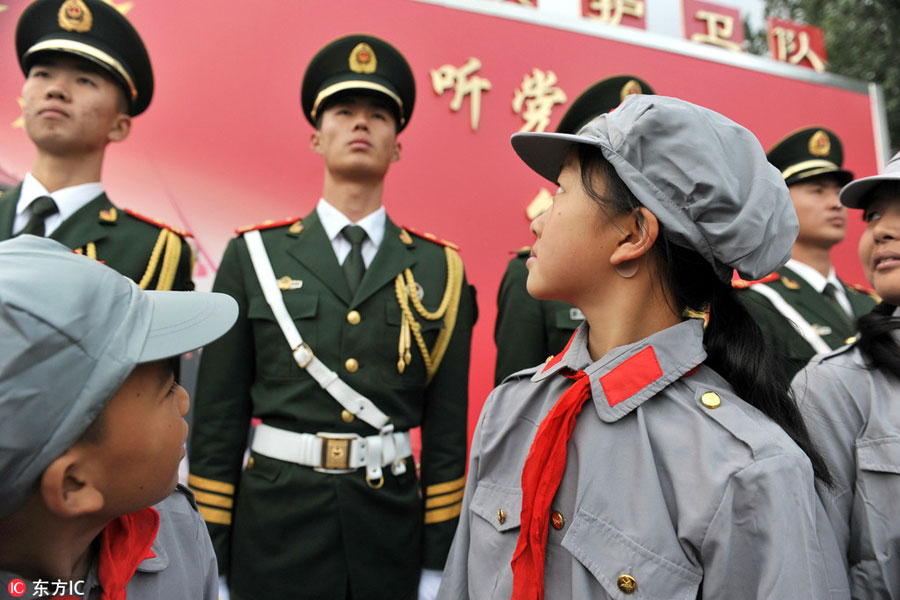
498,505
882,455
615,560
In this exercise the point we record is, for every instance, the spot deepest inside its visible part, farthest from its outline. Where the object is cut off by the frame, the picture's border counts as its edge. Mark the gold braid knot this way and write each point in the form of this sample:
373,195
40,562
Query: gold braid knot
405,287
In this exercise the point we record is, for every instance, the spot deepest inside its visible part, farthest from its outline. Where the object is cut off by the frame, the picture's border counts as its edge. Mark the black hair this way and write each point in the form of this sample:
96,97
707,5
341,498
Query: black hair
876,341
733,340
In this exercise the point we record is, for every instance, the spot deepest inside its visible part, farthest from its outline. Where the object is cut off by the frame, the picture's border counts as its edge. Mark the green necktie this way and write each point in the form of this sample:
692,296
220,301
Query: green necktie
354,266
41,208
830,292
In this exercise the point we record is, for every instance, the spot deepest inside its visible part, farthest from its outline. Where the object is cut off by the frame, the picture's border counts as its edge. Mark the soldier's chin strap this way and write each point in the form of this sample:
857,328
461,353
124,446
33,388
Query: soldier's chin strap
354,402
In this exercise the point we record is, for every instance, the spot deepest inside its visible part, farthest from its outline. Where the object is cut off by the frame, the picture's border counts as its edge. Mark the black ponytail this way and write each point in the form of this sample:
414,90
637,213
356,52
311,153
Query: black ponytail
734,342
876,342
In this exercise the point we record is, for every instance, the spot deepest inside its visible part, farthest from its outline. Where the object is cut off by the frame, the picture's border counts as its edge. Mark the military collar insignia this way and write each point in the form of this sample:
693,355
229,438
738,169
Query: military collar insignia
404,237
820,144
789,283
74,15
296,228
363,59
109,216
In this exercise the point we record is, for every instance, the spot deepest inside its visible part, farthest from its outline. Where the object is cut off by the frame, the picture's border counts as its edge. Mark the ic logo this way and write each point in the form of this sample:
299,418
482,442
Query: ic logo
16,588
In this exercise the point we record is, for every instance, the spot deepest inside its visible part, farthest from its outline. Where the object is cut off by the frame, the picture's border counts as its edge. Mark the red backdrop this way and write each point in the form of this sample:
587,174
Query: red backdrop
224,143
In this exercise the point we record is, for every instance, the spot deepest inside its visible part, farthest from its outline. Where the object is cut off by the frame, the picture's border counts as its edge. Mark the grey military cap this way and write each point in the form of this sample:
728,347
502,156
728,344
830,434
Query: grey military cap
71,331
705,177
856,193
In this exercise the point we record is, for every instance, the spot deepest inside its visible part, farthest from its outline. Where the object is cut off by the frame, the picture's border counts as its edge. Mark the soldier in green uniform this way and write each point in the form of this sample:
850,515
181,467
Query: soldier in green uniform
351,331
87,74
803,308
528,330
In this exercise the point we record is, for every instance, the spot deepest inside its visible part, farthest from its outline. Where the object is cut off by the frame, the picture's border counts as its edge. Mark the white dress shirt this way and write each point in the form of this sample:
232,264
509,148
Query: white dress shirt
818,283
333,221
68,200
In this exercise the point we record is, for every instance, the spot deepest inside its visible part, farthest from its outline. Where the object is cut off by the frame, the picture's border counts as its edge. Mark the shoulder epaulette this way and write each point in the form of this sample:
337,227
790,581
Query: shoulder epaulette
110,215
864,290
267,224
742,284
432,238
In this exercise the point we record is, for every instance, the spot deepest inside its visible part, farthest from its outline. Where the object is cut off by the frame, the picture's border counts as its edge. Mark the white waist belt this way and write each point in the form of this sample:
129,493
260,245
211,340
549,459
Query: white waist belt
335,452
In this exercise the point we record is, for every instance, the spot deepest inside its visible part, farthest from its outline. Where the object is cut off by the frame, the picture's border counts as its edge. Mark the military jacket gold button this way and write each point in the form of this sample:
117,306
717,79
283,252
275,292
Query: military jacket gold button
710,400
347,416
250,462
353,317
557,520
501,516
627,583
351,364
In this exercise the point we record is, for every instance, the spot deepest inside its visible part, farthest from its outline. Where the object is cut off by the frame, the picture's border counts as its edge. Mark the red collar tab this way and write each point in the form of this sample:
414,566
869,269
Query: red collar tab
554,360
630,377
269,224
124,544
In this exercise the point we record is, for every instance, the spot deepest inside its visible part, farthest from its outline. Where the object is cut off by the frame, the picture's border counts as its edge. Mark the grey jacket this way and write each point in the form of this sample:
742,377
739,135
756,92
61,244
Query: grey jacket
660,490
853,414
184,567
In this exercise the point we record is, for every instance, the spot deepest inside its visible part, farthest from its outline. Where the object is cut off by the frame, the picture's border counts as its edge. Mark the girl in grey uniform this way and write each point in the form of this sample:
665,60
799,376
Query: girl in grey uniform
851,401
657,456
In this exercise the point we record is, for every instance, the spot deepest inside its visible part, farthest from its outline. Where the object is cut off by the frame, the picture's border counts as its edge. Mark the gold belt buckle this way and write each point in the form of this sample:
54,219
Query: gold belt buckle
335,453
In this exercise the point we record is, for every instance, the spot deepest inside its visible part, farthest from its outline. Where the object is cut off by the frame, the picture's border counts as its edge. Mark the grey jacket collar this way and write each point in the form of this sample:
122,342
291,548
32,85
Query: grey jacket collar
628,375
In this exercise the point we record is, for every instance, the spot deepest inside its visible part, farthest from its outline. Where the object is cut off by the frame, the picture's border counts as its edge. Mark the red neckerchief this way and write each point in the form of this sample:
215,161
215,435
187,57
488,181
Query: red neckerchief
541,477
124,544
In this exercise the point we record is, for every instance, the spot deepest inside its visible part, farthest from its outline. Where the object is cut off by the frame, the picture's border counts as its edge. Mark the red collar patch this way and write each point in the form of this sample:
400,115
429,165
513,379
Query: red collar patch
630,377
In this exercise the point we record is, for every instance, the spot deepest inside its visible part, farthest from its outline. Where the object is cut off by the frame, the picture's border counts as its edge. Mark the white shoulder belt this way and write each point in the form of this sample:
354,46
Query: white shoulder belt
354,402
803,327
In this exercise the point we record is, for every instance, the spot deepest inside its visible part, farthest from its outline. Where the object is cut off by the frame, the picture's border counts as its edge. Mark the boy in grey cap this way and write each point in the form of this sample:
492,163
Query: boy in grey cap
92,430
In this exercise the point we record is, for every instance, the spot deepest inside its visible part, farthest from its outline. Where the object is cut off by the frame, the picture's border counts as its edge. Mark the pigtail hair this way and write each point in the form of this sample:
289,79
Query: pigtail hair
876,341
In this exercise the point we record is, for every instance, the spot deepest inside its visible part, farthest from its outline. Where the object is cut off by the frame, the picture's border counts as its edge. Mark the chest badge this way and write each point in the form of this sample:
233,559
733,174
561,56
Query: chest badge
286,283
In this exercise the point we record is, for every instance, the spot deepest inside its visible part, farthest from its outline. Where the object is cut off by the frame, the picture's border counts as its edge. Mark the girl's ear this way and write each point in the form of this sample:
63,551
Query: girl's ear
67,488
640,229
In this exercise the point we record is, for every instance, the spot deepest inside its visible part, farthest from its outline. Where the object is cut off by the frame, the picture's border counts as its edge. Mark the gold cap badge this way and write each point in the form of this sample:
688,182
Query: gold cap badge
820,144
74,15
632,87
362,59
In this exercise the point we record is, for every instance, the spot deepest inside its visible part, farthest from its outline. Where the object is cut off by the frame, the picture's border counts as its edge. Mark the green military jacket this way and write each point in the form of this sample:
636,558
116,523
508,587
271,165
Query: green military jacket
149,252
815,308
283,530
528,330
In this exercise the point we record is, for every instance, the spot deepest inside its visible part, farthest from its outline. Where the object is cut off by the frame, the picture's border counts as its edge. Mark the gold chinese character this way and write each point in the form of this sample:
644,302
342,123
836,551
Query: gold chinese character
611,11
538,95
719,29
465,84
788,41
